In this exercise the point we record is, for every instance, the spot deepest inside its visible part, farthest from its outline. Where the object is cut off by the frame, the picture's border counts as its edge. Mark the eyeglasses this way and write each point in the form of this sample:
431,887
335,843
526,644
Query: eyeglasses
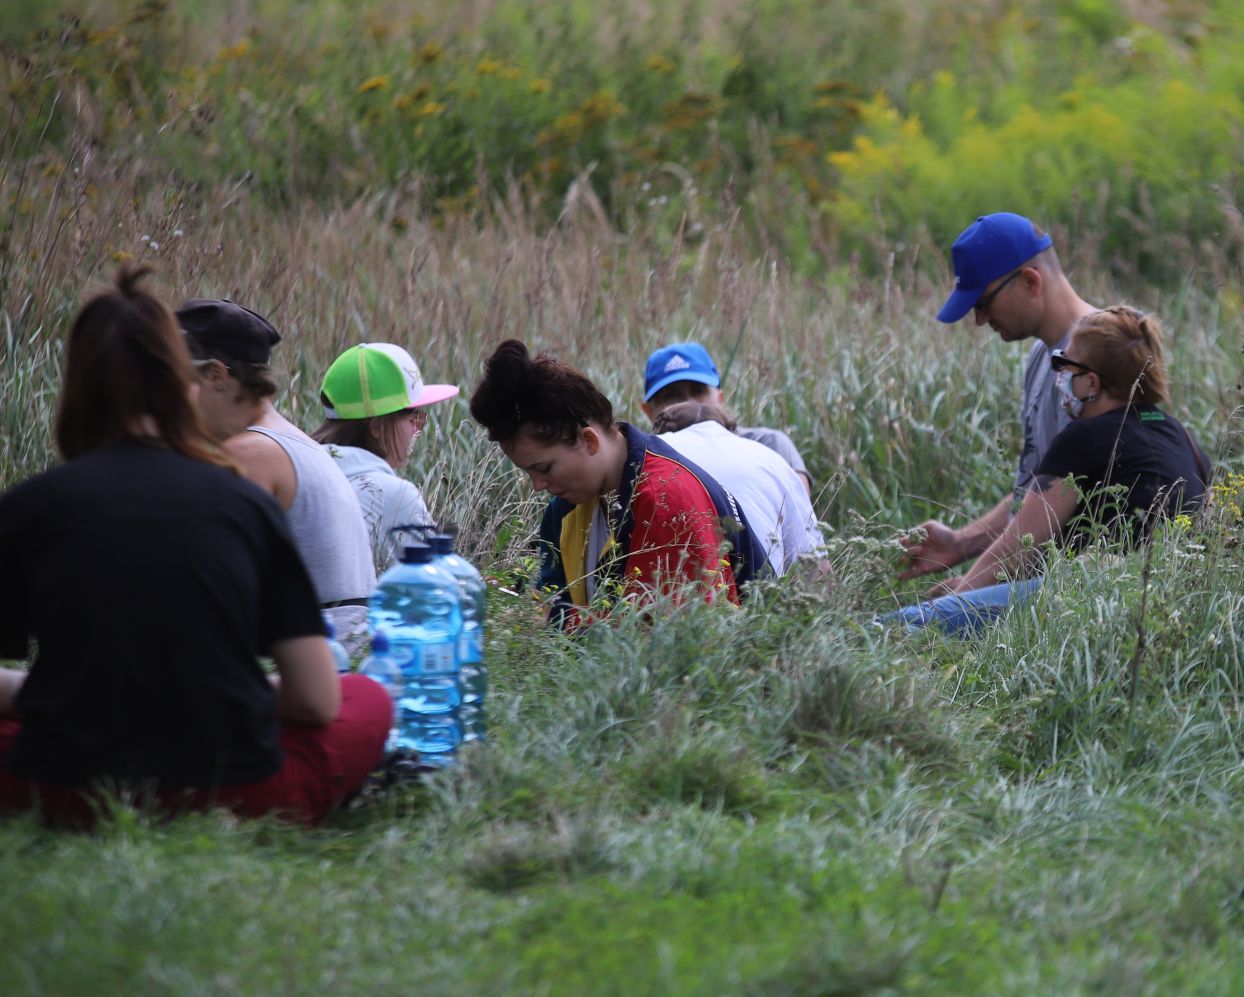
1060,361
985,300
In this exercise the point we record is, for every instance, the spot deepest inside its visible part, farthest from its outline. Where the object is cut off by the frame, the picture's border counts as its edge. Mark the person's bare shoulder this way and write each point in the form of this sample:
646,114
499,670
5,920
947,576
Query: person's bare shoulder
266,463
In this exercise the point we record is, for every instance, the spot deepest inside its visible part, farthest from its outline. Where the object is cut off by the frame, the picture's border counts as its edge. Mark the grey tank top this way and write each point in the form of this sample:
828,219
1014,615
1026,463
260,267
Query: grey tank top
326,522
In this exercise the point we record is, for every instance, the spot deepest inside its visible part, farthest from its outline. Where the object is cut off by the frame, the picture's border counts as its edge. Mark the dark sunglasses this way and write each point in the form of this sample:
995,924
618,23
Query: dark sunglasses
985,300
1060,361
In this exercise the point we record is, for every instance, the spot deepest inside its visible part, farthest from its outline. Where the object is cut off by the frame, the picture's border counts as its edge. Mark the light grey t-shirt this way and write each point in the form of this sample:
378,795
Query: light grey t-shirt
326,522
778,442
1041,413
385,499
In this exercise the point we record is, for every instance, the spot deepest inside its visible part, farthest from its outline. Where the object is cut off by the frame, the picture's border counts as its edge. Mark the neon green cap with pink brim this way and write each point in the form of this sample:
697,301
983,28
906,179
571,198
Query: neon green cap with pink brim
374,379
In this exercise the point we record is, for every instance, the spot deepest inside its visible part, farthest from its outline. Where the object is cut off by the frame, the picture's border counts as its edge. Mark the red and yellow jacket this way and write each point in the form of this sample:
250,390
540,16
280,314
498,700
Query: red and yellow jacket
670,526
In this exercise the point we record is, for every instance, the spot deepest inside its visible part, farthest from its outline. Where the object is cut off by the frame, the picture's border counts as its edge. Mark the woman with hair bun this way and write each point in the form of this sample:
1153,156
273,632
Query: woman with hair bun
626,508
152,575
1119,466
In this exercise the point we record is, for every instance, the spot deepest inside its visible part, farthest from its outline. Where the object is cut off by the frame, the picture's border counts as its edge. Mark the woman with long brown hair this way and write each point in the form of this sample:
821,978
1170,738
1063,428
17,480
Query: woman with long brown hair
152,575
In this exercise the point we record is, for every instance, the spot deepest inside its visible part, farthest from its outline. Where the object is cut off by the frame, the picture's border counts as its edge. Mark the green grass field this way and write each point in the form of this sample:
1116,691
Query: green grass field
782,800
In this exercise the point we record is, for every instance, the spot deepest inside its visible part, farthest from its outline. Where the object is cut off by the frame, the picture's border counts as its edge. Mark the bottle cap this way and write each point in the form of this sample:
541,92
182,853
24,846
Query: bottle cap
416,554
379,642
442,543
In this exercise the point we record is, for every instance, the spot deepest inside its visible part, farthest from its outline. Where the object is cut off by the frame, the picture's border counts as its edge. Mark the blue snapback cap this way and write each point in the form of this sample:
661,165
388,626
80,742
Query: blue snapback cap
990,247
679,362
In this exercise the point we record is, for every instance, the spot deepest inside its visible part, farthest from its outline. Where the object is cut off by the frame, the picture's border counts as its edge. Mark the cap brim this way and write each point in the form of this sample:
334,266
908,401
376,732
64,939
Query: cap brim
682,375
960,302
433,393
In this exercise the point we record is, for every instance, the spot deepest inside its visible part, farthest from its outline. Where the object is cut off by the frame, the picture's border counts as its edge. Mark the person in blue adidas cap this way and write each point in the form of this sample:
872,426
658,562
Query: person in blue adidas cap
685,372
1007,275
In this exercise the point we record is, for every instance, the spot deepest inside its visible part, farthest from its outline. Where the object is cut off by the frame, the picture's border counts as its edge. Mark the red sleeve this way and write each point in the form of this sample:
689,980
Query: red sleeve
676,537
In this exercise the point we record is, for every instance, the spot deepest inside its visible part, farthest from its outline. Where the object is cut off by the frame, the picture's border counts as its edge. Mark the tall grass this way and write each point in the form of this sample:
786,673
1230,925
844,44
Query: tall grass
783,799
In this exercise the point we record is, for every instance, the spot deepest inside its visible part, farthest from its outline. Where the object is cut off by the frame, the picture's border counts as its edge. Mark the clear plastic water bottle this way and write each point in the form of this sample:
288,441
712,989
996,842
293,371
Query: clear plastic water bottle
380,667
416,605
341,657
473,598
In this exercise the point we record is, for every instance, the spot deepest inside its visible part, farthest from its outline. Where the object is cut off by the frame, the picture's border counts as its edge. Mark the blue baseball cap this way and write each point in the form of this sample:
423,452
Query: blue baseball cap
679,362
990,247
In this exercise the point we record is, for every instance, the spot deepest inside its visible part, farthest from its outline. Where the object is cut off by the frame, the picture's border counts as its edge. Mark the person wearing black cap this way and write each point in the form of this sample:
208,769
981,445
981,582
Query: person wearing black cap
1007,274
231,346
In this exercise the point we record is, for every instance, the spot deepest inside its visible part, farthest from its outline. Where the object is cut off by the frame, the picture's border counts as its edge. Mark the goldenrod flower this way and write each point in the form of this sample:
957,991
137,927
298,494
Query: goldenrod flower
431,109
373,83
600,107
540,85
235,51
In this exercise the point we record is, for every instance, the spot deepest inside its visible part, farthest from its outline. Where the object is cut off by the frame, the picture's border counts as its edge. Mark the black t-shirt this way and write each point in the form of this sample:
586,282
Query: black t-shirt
151,582
1140,448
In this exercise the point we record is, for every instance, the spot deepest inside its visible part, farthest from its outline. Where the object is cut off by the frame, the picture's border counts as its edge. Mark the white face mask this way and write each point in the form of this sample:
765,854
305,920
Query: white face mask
1072,405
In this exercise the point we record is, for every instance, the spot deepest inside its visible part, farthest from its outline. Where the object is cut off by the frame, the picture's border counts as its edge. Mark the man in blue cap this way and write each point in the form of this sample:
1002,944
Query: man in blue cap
685,372
1007,274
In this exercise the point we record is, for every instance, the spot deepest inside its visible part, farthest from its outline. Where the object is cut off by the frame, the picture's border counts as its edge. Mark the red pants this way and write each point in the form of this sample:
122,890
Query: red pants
323,766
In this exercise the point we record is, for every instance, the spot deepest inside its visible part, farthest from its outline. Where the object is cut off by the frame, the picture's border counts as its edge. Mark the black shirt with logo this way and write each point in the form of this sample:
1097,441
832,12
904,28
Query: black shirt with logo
1133,465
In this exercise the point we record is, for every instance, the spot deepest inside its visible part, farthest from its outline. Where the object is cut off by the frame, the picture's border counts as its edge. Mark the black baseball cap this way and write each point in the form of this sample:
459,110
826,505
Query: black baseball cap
225,331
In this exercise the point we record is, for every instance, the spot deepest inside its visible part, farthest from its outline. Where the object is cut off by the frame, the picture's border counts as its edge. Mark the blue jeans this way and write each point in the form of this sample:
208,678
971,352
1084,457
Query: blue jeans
967,613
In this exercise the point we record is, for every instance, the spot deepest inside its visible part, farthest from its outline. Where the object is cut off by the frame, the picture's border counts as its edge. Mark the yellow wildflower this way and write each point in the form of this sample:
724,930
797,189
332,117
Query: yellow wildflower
540,85
1183,521
402,101
431,109
488,67
600,107
431,52
796,145
235,51
568,128
373,83
658,63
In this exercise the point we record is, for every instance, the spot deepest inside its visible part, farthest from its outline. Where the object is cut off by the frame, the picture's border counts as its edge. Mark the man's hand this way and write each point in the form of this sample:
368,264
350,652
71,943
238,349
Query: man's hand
931,547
